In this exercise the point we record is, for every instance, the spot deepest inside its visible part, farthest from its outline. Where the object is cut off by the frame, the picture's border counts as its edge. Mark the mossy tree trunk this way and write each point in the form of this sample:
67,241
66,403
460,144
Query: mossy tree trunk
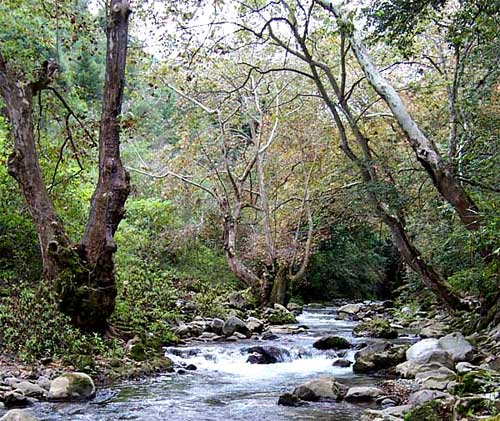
83,273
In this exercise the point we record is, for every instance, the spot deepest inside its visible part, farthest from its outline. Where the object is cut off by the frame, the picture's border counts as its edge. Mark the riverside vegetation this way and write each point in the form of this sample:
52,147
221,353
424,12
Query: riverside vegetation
199,184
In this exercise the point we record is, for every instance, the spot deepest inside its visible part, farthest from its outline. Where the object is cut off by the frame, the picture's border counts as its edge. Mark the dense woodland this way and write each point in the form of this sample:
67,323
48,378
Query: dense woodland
154,154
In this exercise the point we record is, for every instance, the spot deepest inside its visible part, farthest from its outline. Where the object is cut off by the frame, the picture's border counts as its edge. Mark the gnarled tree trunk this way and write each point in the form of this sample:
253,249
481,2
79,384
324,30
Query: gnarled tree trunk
83,273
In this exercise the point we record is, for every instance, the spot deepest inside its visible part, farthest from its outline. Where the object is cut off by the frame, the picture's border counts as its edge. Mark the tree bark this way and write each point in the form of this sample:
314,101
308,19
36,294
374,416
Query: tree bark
83,274
23,165
441,172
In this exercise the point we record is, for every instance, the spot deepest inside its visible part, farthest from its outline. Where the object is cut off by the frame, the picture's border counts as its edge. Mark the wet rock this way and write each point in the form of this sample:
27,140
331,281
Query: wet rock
183,352
350,309
18,415
208,336
15,399
375,357
255,325
427,351
457,346
269,336
325,388
289,399
240,336
72,386
31,390
332,342
434,330
376,328
364,394
341,362
234,324
191,367
267,355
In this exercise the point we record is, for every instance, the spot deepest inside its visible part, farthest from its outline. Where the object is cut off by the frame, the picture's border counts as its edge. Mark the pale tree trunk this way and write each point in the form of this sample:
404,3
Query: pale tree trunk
441,172
83,273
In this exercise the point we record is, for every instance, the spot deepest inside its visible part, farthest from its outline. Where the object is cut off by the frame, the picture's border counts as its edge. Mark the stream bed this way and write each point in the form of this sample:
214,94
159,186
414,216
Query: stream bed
226,387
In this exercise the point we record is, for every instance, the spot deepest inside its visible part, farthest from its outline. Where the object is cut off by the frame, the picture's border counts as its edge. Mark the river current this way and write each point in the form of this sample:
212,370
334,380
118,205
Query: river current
225,386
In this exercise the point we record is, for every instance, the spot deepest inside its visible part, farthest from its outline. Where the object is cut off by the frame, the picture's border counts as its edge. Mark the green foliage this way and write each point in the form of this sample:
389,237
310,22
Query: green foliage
33,327
349,263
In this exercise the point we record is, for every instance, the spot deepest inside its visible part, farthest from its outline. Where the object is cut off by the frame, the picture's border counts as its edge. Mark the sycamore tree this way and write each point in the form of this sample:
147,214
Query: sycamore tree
82,271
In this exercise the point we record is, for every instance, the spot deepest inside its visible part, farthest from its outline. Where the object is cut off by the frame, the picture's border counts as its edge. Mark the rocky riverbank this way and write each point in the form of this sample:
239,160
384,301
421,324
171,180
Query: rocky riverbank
443,376
436,373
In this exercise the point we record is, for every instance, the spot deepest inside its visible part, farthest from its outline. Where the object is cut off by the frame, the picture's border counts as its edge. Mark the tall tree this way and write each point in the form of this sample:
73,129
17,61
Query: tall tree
84,272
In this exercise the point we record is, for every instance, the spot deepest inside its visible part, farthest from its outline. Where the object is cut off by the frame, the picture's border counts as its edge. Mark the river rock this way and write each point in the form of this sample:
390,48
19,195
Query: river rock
234,324
341,362
18,415
436,379
409,369
31,390
289,399
279,315
376,328
434,330
44,382
394,413
361,393
238,301
427,351
255,325
457,346
72,386
323,388
332,342
377,357
217,326
267,355
350,309
15,399
426,395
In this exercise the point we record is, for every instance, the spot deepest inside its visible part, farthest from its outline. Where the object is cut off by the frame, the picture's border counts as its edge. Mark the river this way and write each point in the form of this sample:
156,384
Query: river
226,387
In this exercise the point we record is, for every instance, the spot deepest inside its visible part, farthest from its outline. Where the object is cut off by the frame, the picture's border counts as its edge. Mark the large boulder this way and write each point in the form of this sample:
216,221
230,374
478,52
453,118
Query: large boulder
457,346
332,342
217,326
376,328
324,388
72,386
234,324
350,309
17,415
377,357
360,393
267,355
428,351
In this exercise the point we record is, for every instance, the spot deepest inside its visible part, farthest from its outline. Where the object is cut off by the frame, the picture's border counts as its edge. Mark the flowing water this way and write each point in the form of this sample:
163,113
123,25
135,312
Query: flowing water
225,386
